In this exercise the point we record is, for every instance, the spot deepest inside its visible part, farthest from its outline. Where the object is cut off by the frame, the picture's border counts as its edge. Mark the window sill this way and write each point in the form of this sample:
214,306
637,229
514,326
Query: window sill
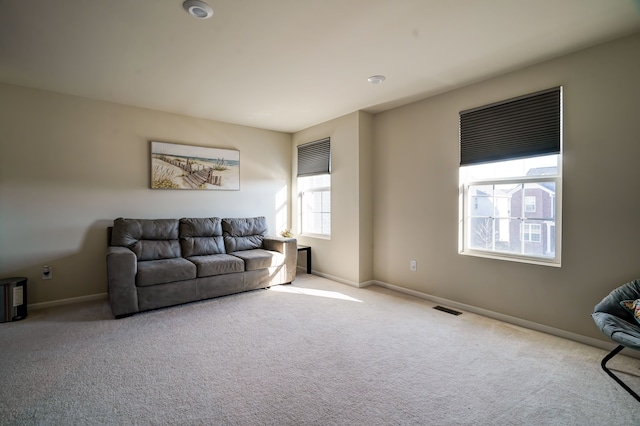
318,236
513,258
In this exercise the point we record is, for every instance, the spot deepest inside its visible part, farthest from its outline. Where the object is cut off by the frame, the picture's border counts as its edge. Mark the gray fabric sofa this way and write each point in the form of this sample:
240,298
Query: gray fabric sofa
154,263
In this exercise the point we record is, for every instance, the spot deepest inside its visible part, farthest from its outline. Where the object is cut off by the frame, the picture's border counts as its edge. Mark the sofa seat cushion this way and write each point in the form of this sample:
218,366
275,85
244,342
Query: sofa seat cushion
259,259
217,264
153,272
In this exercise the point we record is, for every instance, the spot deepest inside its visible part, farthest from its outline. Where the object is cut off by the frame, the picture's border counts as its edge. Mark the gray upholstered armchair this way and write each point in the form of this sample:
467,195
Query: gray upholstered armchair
619,325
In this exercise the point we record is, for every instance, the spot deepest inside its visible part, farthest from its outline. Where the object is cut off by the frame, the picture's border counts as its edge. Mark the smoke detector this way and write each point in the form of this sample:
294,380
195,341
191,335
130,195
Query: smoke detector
376,79
198,9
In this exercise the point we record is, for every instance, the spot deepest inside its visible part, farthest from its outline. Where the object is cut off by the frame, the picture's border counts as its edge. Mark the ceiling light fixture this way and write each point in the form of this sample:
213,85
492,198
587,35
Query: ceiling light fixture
376,79
198,9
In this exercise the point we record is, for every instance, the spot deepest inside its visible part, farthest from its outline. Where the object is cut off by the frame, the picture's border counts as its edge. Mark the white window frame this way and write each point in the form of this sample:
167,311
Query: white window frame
310,191
465,213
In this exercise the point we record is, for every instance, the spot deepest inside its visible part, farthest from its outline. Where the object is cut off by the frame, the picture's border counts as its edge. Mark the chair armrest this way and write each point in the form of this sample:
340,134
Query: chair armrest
288,247
618,330
122,266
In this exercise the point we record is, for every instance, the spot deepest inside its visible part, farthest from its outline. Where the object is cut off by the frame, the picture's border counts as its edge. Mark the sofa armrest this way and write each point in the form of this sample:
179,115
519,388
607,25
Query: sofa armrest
122,266
280,244
288,247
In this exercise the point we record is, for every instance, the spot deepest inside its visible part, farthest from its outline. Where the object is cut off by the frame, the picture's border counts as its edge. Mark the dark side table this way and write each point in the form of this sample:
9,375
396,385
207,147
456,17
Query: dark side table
308,250
13,299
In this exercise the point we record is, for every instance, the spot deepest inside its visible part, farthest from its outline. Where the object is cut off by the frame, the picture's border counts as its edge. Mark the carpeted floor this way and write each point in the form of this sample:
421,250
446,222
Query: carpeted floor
313,353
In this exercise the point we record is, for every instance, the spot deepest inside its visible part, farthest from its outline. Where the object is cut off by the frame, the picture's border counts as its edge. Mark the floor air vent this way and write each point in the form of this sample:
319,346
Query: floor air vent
447,310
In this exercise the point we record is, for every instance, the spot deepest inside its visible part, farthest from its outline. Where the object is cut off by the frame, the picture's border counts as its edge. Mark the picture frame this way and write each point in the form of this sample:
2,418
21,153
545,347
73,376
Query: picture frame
178,166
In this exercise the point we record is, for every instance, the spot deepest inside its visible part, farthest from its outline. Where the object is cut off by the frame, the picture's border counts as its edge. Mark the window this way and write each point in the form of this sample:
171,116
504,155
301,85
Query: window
510,179
529,204
315,200
314,188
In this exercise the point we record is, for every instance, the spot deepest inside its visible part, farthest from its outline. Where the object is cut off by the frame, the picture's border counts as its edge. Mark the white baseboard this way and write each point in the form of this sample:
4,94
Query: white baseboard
509,319
337,279
367,283
60,302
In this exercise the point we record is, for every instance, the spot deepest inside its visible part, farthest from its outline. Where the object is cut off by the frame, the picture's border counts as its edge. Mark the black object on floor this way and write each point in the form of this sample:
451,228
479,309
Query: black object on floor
13,299
447,310
308,250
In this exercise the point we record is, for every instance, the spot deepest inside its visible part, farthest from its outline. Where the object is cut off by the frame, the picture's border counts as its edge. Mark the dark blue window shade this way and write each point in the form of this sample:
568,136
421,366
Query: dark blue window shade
522,127
314,158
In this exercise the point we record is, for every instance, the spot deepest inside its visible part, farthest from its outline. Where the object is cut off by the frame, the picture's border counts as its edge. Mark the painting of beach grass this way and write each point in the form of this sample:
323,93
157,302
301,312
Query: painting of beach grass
176,166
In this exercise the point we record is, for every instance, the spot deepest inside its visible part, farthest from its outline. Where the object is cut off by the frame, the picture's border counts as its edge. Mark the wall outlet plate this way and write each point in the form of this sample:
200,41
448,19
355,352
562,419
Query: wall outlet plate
413,266
47,272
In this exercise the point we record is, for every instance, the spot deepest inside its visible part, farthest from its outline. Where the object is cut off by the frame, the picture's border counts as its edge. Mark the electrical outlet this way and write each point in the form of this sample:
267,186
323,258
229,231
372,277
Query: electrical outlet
47,272
413,265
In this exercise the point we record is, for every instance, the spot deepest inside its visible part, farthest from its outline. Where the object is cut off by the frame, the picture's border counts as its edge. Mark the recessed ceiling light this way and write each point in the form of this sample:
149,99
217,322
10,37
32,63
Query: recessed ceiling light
376,79
198,9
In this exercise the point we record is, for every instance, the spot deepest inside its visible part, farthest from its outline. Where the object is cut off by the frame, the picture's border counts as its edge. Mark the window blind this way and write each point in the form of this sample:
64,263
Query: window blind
516,128
314,158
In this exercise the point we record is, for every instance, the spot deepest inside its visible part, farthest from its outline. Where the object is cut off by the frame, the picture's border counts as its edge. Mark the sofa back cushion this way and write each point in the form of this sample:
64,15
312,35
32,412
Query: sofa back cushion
149,239
244,233
201,236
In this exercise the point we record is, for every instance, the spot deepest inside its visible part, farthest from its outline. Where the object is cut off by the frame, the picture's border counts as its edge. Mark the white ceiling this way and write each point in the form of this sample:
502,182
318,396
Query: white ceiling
288,64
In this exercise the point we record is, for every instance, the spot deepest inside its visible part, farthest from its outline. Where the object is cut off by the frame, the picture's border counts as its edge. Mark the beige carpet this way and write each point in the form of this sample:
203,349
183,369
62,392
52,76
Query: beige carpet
314,353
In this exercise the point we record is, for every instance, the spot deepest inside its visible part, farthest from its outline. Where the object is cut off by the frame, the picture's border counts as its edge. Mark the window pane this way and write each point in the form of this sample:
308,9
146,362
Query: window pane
319,181
315,204
546,165
498,219
325,204
326,224
537,238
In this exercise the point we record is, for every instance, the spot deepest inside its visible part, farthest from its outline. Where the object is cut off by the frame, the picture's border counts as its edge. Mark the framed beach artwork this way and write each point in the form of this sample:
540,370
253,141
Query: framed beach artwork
176,166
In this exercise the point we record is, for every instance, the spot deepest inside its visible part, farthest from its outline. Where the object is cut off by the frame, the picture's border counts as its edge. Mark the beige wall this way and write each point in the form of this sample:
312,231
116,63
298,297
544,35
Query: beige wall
347,256
416,193
69,166
365,194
